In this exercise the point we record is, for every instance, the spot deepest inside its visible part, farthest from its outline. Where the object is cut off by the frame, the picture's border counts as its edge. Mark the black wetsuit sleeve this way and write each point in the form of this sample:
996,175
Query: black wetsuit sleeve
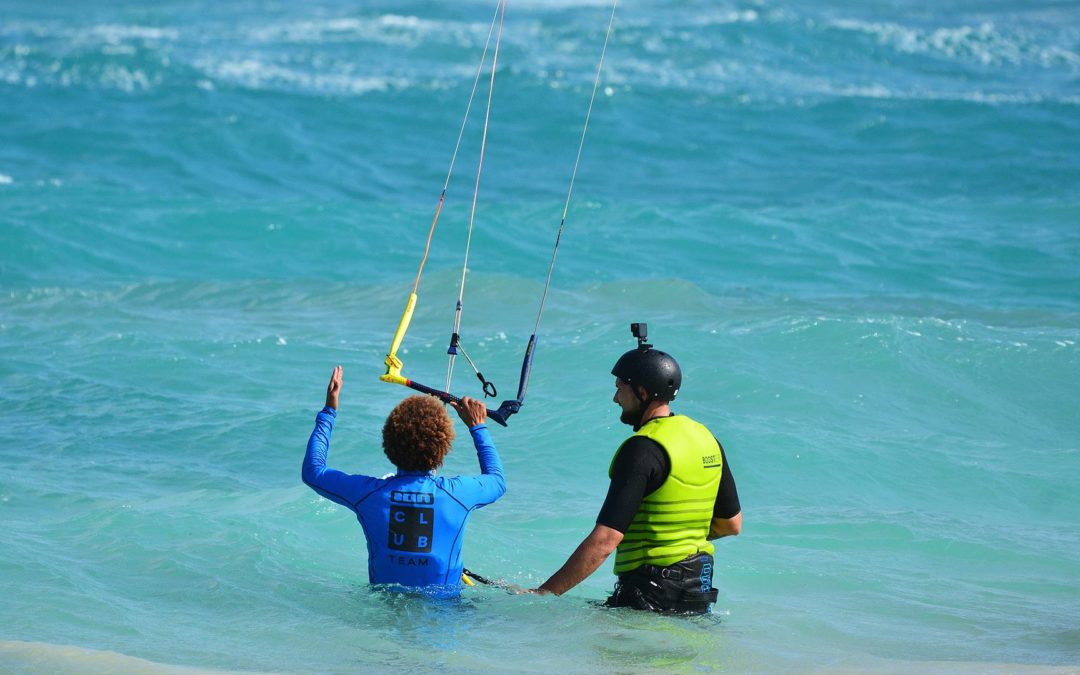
640,468
727,495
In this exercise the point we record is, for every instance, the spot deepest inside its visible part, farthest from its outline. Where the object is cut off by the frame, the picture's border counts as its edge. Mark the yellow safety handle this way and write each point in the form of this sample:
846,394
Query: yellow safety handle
393,363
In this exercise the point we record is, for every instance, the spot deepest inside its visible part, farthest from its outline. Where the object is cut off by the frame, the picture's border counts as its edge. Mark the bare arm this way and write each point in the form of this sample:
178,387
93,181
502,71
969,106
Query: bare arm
590,554
725,527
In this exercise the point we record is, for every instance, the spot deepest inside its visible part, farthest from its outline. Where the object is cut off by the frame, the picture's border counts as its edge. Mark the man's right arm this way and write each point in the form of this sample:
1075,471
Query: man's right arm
480,490
637,471
492,484
589,555
337,486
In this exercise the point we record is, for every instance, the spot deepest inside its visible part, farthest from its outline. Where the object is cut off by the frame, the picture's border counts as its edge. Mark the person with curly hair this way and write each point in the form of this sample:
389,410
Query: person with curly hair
413,520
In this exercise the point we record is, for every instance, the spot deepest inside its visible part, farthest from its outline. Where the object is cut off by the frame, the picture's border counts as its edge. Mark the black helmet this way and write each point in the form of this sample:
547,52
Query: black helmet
651,368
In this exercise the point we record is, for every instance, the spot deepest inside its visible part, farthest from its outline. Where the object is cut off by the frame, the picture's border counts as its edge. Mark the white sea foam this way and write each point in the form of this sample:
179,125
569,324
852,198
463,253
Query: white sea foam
879,91
110,35
43,65
6,180
727,16
111,76
983,43
560,4
385,29
781,86
115,33
126,79
257,74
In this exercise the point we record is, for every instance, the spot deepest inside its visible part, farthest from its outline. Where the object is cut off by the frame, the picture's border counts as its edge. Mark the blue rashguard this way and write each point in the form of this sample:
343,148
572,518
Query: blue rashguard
414,522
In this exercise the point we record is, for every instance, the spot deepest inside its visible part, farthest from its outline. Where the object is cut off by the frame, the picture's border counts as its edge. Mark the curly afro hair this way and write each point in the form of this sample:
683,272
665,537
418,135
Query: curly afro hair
418,434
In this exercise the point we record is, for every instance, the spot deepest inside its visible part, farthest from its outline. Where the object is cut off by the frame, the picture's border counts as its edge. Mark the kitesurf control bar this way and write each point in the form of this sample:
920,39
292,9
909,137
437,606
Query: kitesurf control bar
394,365
496,415
506,408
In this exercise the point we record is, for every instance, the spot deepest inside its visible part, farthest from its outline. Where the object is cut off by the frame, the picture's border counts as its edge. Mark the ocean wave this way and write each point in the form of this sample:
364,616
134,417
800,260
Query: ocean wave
134,58
684,54
721,17
768,84
108,64
877,90
255,73
387,29
983,43
119,33
134,70
82,35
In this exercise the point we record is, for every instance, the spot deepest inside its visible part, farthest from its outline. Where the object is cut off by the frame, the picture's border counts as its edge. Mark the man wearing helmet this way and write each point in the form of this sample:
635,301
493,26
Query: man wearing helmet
671,494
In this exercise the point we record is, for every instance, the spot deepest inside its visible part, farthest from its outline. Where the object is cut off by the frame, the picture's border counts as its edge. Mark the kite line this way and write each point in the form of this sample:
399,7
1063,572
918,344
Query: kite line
393,363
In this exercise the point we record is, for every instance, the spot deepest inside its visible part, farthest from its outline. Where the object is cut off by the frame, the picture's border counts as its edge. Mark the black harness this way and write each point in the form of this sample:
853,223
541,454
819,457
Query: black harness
682,588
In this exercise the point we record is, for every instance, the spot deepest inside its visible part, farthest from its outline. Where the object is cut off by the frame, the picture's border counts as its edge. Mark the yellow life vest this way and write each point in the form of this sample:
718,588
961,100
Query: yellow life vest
673,522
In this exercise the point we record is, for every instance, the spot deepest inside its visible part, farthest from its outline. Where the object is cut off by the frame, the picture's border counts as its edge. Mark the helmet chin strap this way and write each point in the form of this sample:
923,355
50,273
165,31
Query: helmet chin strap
644,398
645,410
646,401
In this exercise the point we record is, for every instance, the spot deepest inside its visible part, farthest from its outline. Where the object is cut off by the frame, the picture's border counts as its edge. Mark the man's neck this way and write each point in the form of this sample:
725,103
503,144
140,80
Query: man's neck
652,411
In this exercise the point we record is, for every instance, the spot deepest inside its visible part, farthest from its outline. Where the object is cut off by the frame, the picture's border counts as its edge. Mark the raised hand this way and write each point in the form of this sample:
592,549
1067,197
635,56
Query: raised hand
333,390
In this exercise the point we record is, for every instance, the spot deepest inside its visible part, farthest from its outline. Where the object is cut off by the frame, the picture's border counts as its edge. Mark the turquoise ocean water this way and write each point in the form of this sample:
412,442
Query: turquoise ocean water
856,224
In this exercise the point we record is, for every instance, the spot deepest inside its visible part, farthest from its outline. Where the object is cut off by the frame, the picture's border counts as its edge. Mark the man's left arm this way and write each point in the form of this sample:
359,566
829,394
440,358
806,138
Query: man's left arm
725,527
727,511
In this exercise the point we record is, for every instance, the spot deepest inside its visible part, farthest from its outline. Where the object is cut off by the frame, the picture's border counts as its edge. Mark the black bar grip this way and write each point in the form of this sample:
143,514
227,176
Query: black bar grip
447,398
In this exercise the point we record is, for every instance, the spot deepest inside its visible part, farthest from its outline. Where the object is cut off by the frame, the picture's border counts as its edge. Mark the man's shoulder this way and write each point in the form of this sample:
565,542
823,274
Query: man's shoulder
638,443
639,454
451,483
